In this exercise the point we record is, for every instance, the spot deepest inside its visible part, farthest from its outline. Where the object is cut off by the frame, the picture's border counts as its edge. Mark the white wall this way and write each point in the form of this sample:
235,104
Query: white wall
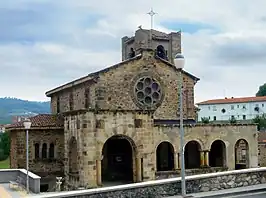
215,110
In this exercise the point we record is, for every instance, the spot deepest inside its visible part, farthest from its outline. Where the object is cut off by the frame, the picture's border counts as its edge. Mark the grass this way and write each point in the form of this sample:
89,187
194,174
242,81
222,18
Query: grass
4,164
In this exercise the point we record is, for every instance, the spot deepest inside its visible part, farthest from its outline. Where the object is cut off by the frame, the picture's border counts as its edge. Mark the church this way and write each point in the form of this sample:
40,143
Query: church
121,124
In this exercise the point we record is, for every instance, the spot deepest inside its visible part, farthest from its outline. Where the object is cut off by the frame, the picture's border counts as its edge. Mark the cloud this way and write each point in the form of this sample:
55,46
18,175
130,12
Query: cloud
46,43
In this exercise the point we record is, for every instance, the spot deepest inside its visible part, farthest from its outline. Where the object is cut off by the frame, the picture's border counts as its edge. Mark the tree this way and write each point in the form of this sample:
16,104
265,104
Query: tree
262,90
4,145
205,120
261,121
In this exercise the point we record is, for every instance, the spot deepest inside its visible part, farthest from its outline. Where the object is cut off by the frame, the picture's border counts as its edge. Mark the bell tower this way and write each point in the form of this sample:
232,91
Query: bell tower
165,45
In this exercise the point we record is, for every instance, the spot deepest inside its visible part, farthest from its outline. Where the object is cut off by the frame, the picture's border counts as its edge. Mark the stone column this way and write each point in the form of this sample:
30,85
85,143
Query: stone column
202,159
138,168
206,158
99,172
176,158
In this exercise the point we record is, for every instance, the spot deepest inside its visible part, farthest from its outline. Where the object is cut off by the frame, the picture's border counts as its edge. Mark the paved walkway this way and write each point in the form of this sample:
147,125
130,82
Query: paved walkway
228,192
6,192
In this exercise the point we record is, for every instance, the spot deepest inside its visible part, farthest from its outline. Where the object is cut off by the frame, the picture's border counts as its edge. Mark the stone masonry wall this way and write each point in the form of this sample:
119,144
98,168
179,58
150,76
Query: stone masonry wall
172,187
18,150
92,129
114,89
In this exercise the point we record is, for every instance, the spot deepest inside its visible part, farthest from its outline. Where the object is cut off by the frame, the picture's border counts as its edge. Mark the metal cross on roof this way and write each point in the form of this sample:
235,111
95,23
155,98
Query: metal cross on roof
151,13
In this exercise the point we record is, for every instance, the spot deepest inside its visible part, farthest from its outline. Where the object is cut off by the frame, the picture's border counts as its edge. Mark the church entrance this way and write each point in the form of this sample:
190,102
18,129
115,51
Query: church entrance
117,163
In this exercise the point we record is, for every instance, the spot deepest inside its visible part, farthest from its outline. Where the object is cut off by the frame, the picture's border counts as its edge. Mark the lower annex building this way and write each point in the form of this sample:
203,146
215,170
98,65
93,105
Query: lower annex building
121,124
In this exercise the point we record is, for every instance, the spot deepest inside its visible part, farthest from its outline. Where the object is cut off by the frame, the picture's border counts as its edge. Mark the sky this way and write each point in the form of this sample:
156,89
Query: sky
46,43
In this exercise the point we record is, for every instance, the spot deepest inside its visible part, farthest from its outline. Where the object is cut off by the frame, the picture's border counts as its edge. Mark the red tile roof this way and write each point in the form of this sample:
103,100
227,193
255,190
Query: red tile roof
234,100
40,121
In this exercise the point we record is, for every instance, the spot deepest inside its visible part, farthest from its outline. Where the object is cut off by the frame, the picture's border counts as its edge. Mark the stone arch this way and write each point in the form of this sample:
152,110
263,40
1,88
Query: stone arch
160,51
217,156
118,154
192,154
73,155
165,153
241,154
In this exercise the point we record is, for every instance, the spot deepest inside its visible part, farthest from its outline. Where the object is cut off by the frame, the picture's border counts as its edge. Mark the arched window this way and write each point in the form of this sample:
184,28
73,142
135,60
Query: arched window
51,151
37,150
44,150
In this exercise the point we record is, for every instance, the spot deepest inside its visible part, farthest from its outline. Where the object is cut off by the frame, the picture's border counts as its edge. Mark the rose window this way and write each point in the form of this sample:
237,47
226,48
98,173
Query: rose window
148,91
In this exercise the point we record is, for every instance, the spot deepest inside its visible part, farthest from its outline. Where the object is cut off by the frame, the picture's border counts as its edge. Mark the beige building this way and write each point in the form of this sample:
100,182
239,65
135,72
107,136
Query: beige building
121,124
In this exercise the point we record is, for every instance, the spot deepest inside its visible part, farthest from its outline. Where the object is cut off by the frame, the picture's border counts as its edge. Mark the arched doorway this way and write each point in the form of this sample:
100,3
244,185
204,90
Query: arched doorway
217,156
73,155
165,157
192,155
117,161
241,154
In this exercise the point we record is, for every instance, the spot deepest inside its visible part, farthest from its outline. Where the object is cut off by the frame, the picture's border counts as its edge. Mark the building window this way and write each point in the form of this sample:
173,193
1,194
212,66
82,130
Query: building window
209,107
244,117
87,98
232,107
214,108
262,105
71,101
223,110
214,118
257,105
51,151
237,106
244,106
58,104
232,117
37,150
44,151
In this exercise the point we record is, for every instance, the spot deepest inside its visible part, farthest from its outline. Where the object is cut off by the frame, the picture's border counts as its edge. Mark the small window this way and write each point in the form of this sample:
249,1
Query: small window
232,107
257,105
44,151
37,150
237,106
262,105
214,118
214,108
232,117
244,106
209,117
51,151
223,110
244,117
209,107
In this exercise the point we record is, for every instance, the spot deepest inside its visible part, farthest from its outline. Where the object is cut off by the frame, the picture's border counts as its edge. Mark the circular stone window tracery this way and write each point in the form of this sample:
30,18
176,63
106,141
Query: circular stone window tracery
148,92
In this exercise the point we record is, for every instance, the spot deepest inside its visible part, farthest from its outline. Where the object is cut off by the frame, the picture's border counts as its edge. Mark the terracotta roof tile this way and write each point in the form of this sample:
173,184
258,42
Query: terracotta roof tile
41,120
234,100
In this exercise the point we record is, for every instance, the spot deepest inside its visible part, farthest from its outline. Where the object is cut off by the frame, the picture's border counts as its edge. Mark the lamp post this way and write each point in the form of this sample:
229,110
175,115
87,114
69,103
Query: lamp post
179,61
27,125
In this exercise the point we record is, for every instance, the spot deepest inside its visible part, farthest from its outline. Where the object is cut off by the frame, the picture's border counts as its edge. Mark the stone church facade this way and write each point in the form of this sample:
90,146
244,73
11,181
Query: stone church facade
121,124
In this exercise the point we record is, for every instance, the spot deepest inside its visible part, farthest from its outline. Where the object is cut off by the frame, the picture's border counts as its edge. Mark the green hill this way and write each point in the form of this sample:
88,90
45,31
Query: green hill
16,107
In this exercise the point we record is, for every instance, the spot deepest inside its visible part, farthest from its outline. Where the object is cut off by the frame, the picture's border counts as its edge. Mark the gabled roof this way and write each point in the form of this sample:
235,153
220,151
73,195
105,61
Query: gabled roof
41,121
233,100
93,76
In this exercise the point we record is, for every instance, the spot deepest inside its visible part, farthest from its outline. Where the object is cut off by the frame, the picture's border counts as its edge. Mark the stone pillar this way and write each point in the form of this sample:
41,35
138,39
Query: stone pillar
176,158
179,160
202,159
99,172
138,169
206,158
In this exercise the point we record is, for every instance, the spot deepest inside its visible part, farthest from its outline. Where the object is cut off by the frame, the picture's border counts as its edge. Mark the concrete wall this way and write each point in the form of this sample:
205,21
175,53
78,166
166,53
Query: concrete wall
7,175
171,187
